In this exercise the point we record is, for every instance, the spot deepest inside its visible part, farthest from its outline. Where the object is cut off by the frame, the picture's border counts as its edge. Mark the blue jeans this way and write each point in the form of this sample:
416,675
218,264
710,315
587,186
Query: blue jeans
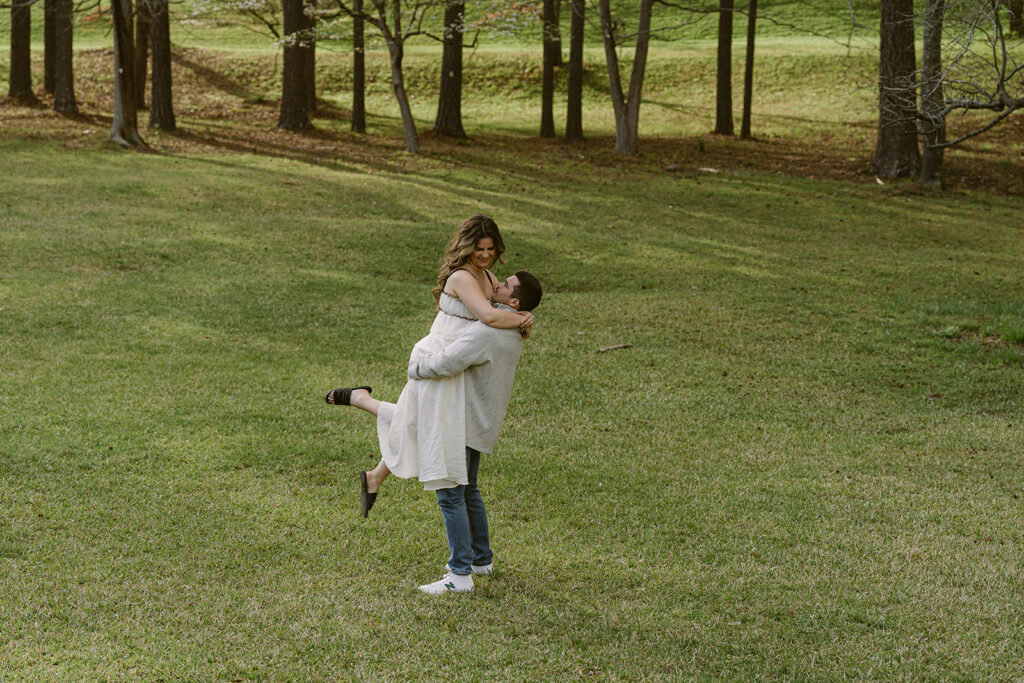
465,521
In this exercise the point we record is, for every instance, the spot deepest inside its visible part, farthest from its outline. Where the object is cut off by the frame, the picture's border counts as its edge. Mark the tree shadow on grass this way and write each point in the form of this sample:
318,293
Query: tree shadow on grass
212,77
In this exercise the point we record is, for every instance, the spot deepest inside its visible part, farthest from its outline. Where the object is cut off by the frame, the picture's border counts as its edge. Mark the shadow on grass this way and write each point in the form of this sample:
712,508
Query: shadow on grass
212,77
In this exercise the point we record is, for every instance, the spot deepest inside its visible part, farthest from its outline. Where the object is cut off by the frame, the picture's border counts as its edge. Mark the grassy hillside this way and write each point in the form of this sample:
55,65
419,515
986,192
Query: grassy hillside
805,464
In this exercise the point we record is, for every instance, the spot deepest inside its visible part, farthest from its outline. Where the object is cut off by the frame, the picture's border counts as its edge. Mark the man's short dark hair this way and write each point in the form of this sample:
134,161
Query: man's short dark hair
528,291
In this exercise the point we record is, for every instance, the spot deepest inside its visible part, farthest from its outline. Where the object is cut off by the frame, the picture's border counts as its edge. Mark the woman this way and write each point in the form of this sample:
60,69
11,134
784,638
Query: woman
423,434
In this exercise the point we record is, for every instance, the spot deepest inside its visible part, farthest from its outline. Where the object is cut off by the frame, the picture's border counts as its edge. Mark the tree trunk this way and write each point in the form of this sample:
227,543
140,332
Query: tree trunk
143,15
412,143
547,116
896,153
49,44
556,37
63,57
1016,8
358,69
125,128
574,111
748,70
21,52
161,102
723,92
449,103
294,91
933,120
627,107
310,25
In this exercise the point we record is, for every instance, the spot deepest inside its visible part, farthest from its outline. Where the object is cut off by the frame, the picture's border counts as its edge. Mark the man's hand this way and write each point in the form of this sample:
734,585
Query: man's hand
526,324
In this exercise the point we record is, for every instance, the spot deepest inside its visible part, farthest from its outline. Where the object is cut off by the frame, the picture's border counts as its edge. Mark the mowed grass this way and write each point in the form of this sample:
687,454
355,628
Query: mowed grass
806,464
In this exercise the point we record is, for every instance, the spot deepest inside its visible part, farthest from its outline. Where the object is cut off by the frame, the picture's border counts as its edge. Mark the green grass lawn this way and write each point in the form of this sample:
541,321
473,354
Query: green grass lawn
805,465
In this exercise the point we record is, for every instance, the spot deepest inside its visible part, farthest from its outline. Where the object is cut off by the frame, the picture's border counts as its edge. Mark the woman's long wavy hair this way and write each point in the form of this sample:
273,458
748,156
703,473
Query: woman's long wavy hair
461,245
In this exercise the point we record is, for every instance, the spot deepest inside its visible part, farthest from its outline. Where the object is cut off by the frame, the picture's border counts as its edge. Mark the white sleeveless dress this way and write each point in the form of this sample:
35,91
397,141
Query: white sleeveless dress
424,434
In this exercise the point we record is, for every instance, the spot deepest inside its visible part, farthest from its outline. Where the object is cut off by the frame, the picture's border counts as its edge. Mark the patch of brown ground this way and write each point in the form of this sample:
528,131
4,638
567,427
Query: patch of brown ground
218,114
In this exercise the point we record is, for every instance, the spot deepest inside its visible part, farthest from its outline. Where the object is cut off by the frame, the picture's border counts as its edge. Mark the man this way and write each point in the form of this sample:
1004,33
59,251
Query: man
488,358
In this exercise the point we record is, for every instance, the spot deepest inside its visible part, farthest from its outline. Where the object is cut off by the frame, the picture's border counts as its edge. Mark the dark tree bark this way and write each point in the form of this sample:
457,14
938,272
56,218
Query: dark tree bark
547,116
574,111
449,103
294,95
143,20
21,52
49,46
310,25
63,56
723,81
556,36
933,118
161,102
358,69
125,127
896,153
626,106
1016,8
748,69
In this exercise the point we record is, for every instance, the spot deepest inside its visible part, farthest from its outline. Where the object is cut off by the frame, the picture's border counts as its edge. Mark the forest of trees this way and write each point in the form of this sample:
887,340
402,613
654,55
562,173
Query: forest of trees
965,64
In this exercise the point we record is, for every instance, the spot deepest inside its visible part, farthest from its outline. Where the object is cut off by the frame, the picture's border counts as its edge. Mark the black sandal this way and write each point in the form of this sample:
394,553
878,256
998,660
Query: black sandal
366,499
342,396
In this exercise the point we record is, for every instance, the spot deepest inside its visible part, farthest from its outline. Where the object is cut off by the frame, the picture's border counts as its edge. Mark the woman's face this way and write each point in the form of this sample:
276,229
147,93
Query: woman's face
484,253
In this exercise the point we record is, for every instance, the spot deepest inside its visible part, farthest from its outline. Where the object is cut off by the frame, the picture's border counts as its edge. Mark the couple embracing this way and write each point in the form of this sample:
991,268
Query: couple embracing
459,385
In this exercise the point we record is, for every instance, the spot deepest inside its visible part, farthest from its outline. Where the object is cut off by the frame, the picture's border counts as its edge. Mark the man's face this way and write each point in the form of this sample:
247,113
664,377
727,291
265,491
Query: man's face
503,292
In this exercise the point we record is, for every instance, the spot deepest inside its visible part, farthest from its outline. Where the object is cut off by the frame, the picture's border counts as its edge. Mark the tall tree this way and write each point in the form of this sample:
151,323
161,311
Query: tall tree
723,80
896,153
574,110
161,103
63,56
49,47
20,81
556,34
396,21
748,69
626,105
295,89
551,49
449,102
125,127
395,39
967,65
933,121
310,31
358,68
143,21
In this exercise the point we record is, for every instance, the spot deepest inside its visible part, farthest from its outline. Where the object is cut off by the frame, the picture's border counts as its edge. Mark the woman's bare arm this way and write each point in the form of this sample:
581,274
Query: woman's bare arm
467,289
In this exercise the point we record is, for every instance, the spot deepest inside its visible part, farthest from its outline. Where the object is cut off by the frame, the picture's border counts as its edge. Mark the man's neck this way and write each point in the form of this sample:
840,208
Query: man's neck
506,307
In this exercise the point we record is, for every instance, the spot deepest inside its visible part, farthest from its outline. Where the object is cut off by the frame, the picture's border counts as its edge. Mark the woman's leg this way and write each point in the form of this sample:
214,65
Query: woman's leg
362,399
376,476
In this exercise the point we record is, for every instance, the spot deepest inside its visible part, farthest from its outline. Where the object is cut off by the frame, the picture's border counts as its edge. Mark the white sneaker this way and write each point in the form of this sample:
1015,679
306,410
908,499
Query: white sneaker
478,569
449,583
